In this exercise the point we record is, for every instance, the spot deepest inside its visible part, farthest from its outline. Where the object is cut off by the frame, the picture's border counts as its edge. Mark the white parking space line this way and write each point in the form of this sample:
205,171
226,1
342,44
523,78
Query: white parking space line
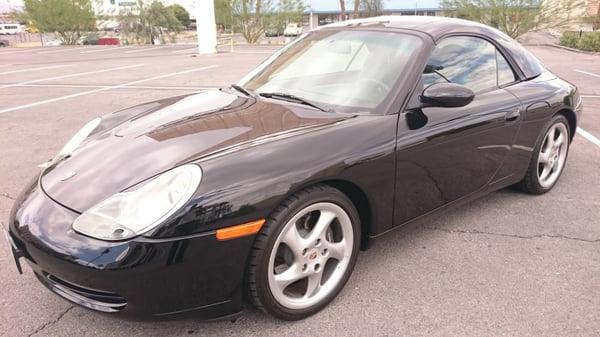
61,50
20,51
589,96
587,73
83,86
69,75
143,49
34,69
151,87
184,50
103,49
588,136
254,52
56,99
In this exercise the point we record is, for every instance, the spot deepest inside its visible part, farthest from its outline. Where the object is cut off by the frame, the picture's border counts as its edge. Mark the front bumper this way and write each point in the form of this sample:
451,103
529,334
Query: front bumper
140,278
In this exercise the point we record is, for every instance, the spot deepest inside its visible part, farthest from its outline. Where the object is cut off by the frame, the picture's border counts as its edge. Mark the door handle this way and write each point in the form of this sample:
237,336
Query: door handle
512,115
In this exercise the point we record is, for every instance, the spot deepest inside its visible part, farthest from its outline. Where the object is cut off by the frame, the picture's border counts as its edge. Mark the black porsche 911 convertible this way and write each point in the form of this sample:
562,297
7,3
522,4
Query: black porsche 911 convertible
267,190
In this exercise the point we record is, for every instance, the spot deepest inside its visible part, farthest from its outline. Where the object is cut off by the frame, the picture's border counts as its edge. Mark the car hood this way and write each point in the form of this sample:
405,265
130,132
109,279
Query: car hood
132,145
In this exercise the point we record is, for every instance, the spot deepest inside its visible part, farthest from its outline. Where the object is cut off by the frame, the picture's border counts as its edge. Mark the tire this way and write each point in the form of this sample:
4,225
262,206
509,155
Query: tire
284,246
534,182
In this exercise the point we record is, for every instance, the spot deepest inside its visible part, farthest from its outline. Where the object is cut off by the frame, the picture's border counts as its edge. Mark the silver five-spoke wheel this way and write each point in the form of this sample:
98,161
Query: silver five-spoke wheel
311,255
553,154
304,254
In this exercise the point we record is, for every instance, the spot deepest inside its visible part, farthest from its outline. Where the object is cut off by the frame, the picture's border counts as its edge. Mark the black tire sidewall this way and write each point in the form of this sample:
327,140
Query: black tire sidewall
302,201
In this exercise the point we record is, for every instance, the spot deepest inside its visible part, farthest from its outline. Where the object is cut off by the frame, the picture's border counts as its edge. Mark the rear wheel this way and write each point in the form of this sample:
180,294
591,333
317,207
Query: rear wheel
550,156
304,254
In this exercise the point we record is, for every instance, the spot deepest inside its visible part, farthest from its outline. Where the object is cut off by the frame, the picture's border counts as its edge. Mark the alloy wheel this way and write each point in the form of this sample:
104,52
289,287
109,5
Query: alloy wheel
310,255
553,154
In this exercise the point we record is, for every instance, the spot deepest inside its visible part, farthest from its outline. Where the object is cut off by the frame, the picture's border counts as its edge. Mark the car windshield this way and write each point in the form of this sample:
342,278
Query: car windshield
344,70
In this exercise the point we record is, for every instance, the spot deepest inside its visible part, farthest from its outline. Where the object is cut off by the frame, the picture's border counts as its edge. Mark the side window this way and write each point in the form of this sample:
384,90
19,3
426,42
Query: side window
505,72
469,61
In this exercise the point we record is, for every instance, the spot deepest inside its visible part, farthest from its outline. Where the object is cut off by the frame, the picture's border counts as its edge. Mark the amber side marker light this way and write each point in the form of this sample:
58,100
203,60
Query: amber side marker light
239,231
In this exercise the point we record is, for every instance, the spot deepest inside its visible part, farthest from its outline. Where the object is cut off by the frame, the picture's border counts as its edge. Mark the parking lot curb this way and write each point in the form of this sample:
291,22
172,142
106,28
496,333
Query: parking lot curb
562,47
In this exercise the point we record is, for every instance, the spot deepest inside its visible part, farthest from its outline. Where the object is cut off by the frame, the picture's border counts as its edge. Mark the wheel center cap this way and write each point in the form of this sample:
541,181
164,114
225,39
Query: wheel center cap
313,254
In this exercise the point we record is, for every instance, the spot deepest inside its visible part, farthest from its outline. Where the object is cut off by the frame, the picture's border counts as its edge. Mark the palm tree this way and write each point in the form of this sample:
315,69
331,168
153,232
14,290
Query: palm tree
342,10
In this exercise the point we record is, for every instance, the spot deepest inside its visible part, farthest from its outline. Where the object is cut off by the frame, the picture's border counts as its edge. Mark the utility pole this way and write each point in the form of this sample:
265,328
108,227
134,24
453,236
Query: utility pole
206,28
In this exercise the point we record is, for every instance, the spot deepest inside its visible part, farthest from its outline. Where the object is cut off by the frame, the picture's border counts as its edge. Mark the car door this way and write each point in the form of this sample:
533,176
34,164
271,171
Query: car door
445,154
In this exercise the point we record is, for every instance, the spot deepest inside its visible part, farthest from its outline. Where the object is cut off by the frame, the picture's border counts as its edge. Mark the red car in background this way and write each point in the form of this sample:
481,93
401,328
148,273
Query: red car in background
106,41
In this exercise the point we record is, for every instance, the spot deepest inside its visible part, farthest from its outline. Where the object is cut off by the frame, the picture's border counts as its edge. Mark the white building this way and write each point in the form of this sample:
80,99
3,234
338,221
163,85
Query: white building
113,7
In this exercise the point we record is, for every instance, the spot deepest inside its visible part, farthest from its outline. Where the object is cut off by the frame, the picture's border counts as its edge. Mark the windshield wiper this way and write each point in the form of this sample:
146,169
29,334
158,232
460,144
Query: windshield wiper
292,98
243,90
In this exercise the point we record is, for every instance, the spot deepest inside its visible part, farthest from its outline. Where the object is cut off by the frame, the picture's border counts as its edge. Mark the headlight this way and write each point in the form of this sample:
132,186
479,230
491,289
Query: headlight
79,137
132,213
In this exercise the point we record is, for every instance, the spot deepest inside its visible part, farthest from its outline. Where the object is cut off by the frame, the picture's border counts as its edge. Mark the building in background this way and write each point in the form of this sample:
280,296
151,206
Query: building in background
113,7
322,12
593,10
593,7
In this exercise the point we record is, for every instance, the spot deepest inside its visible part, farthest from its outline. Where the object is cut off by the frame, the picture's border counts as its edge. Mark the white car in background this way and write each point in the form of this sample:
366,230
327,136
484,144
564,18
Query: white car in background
53,43
293,29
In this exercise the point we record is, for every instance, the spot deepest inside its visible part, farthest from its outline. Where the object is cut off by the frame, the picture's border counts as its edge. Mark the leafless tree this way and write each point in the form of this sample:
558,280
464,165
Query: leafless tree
372,7
342,10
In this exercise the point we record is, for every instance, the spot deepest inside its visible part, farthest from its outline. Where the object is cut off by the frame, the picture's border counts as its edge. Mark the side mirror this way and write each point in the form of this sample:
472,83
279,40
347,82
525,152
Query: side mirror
446,95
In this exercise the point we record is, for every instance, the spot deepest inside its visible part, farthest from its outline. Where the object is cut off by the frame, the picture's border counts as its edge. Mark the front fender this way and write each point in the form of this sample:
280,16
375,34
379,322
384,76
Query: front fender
249,184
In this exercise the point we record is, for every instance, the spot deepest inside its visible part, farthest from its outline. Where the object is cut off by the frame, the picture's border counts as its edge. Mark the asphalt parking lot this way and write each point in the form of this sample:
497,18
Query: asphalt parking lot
507,265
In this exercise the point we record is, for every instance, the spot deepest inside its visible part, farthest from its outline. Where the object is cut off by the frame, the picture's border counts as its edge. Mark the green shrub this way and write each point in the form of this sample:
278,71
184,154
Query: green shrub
569,39
590,41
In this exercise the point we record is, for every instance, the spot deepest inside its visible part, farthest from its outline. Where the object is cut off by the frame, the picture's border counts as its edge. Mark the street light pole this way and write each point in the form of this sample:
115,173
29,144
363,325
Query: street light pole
206,28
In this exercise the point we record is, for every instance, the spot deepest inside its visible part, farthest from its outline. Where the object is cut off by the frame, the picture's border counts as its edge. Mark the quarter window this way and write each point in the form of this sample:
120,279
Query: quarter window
505,72
469,61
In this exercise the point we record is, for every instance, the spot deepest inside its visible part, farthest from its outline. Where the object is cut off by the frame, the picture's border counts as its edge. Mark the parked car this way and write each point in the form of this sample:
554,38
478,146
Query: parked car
268,189
89,39
10,28
4,43
53,43
293,29
107,40
31,29
274,31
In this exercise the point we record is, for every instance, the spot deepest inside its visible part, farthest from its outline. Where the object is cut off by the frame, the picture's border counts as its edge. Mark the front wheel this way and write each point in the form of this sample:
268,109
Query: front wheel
549,158
304,253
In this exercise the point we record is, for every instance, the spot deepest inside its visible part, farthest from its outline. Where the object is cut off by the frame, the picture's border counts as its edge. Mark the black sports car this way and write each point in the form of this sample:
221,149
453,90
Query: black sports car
267,189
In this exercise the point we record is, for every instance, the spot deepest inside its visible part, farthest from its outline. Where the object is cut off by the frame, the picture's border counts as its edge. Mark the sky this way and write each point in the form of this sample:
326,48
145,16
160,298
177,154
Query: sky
5,5
316,5
332,5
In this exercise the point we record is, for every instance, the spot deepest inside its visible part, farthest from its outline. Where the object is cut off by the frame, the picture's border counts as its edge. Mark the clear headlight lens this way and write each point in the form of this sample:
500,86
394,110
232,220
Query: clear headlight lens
79,137
132,213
